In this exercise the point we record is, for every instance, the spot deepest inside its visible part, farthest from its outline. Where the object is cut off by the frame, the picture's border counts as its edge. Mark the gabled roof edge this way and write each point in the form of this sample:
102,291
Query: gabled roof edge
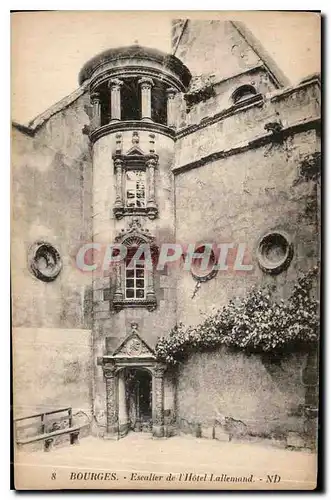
37,122
279,77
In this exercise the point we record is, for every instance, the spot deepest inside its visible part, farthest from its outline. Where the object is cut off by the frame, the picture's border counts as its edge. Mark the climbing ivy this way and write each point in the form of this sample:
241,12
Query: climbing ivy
255,323
309,168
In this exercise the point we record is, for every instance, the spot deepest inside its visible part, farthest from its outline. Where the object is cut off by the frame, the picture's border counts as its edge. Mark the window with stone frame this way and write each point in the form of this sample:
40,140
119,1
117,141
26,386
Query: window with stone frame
134,276
135,183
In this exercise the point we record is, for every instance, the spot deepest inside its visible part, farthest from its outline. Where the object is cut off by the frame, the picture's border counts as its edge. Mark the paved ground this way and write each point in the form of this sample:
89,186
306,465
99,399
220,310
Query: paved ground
182,462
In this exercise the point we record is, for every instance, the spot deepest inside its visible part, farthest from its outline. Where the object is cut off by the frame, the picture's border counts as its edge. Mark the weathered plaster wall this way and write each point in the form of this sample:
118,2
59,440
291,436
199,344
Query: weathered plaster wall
52,370
241,196
221,93
245,395
244,124
51,193
238,200
236,197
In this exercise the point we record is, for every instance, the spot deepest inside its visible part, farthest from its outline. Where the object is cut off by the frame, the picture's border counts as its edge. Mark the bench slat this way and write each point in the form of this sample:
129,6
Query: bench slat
40,414
41,437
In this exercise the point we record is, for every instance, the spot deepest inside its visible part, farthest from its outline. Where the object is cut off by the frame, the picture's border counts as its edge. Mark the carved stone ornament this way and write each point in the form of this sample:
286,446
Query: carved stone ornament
146,83
44,261
134,234
132,347
274,252
135,159
109,369
159,370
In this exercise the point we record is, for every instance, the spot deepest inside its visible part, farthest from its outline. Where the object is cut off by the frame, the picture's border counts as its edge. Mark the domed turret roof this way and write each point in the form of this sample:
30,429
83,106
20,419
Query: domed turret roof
137,52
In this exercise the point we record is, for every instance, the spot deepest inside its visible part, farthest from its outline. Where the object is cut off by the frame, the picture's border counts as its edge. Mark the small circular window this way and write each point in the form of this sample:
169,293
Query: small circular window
275,252
44,261
203,268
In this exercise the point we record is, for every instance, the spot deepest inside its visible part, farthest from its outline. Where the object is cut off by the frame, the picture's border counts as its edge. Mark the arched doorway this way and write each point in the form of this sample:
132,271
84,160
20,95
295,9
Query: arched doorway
139,399
135,400
134,389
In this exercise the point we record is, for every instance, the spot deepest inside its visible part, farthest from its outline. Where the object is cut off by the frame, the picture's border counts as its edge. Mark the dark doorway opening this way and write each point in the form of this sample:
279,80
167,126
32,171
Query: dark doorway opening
139,399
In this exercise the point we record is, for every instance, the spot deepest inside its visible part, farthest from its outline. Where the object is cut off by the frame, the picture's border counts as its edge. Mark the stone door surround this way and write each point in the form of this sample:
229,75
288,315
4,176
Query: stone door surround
132,353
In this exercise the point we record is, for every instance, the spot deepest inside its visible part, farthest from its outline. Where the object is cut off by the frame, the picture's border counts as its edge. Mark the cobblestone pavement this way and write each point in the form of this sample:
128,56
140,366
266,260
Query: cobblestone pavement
182,462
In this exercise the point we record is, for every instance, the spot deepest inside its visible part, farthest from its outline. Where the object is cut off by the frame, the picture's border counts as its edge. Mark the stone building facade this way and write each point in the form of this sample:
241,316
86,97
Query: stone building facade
156,149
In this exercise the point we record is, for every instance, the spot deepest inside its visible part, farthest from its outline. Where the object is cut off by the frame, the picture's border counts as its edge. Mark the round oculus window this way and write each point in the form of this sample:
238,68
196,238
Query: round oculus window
275,252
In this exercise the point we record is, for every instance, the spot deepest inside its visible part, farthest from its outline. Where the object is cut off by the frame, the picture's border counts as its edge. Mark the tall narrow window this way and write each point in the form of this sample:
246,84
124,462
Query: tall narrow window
135,189
134,176
135,278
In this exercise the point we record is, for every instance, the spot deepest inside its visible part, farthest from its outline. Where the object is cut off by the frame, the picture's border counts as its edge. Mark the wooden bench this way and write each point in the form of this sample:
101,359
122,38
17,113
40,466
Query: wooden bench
48,437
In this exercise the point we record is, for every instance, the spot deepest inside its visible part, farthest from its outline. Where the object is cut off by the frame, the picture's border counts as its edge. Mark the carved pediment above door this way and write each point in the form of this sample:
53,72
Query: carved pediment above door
134,347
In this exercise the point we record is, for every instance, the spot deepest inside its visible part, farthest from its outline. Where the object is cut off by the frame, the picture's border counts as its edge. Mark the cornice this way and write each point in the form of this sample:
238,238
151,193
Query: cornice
256,100
307,82
133,71
262,140
116,56
131,125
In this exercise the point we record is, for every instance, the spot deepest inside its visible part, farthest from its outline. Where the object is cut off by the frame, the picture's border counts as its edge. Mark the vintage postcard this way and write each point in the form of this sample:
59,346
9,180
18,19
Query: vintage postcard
165,250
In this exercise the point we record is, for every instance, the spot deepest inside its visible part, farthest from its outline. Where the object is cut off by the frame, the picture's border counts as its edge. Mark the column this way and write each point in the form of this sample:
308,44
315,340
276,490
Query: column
111,406
115,89
123,423
118,295
171,107
96,110
150,291
158,397
118,206
146,85
152,210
